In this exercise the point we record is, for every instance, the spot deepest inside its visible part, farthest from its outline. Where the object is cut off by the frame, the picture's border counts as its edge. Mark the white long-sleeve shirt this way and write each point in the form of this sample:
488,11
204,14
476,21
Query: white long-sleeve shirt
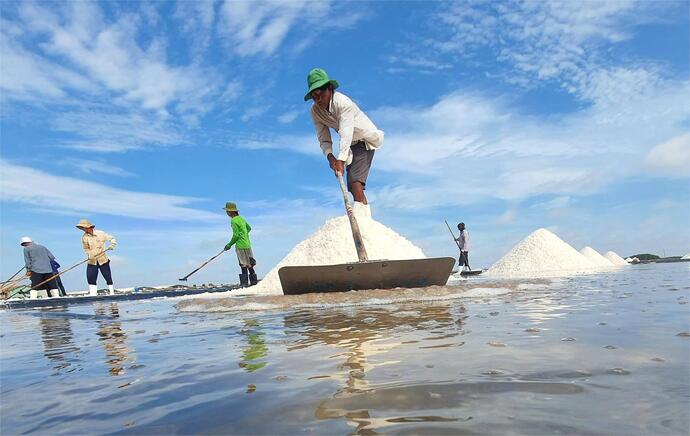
346,118
464,240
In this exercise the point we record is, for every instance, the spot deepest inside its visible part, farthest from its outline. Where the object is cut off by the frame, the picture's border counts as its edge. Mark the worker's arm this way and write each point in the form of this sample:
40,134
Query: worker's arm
113,241
346,126
324,135
50,255
249,228
27,262
235,235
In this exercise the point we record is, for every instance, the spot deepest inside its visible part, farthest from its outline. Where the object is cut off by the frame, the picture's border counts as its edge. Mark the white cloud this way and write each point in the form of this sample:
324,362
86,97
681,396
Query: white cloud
26,185
470,148
197,18
260,28
563,42
555,203
254,112
288,117
671,158
29,77
100,130
96,167
93,50
506,217
303,144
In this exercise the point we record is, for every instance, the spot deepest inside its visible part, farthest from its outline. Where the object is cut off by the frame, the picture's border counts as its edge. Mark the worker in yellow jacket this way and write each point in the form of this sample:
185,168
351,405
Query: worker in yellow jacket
93,241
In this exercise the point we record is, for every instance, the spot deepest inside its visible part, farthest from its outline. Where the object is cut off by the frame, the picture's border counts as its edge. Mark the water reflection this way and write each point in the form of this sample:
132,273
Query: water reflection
58,341
360,335
256,346
112,337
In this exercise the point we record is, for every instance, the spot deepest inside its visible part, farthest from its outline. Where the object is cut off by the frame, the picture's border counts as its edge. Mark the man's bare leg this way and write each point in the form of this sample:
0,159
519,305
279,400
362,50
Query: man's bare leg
358,192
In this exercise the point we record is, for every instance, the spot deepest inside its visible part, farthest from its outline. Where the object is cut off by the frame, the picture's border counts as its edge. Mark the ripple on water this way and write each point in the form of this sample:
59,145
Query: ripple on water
496,344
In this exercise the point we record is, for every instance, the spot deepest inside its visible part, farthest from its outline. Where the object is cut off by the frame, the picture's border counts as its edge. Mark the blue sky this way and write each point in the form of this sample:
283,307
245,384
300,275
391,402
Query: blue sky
146,117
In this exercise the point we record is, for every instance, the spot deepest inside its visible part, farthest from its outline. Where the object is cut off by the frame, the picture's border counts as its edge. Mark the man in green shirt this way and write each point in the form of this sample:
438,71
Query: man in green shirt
243,246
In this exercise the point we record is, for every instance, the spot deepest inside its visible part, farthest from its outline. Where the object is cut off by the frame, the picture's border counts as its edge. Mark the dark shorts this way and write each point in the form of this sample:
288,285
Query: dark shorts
358,170
37,278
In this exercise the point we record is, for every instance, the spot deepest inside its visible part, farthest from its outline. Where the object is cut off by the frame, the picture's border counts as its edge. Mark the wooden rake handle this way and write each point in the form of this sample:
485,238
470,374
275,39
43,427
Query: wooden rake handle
184,279
356,234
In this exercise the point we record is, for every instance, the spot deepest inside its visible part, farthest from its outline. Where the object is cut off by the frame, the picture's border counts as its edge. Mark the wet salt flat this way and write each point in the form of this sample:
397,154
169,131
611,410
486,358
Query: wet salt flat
597,354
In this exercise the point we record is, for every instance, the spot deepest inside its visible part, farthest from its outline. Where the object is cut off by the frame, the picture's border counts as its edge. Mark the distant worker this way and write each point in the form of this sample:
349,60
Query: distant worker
464,246
359,137
93,241
37,262
243,246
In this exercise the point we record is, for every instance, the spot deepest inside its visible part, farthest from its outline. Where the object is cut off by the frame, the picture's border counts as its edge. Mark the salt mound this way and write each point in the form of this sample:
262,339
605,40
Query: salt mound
332,244
686,257
615,258
541,254
594,257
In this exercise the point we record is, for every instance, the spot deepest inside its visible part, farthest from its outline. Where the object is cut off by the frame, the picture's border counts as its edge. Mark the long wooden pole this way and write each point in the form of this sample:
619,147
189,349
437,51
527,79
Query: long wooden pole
68,269
356,234
8,285
453,235
184,279
10,279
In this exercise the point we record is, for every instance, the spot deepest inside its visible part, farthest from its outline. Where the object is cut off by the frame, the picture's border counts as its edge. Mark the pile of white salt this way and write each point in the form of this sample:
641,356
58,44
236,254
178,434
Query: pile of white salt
595,257
615,259
541,254
333,244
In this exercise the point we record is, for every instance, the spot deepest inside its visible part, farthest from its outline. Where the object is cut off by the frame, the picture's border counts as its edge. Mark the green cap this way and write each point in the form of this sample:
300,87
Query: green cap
316,79
230,207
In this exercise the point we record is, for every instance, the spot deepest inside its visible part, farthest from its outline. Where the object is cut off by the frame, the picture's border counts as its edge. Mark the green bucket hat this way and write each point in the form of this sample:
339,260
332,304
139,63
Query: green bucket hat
230,207
316,79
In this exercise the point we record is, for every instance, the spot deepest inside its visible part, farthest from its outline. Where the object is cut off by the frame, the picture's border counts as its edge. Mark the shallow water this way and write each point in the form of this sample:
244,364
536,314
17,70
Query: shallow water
606,353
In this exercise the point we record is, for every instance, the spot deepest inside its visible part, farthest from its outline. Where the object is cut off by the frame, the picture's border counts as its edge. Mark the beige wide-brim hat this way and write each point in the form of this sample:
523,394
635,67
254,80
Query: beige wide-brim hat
230,207
84,224
25,239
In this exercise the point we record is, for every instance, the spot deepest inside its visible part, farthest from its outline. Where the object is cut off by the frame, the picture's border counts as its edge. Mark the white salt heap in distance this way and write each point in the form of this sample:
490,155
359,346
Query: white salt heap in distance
332,244
615,258
686,257
594,257
541,254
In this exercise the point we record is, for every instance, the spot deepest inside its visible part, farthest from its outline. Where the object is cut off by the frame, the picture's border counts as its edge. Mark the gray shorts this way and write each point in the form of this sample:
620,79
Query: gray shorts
245,256
358,170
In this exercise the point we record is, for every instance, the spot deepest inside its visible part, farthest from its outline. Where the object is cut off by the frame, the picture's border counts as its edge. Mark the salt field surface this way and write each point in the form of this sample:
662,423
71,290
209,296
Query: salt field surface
599,353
